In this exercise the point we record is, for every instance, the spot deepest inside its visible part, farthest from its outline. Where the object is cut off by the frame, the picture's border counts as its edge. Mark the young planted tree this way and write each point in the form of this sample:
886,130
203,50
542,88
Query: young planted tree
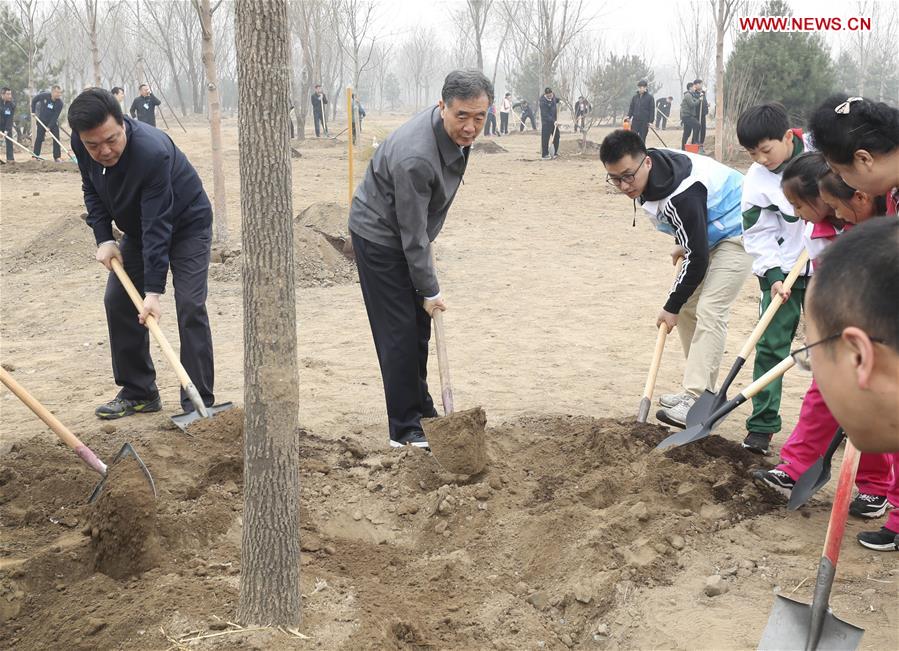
205,12
270,550
724,12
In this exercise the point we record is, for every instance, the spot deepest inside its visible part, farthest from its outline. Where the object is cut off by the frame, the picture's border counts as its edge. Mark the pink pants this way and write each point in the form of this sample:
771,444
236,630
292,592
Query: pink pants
809,440
892,522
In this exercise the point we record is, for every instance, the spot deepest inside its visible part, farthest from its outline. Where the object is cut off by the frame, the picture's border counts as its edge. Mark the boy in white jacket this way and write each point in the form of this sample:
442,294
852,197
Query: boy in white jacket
773,235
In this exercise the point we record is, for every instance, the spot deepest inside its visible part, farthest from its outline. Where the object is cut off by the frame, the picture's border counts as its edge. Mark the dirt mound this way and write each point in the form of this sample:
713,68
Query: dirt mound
572,515
66,244
458,441
578,150
38,167
123,523
322,249
488,147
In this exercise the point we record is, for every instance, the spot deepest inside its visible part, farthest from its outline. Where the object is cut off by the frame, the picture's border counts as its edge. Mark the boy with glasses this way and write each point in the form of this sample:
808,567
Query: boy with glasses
697,200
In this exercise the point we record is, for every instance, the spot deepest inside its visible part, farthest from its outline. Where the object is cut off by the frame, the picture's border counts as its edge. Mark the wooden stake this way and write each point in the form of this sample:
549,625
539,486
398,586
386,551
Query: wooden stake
349,117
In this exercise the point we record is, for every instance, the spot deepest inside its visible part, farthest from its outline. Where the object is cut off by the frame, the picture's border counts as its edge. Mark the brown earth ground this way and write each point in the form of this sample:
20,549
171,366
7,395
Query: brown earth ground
575,535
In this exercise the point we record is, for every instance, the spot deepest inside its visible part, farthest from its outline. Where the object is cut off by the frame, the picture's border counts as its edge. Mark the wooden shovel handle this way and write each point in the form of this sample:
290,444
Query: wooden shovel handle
446,383
837,524
782,367
660,346
776,302
151,323
58,141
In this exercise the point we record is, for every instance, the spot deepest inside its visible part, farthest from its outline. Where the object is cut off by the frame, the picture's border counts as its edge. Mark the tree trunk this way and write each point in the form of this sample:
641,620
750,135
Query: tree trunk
270,550
215,125
720,109
95,48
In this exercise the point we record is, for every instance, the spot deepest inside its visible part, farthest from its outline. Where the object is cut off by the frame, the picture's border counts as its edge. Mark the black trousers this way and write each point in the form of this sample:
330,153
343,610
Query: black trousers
10,154
545,134
503,123
39,140
641,129
525,118
401,330
661,121
691,126
129,341
701,137
319,124
490,126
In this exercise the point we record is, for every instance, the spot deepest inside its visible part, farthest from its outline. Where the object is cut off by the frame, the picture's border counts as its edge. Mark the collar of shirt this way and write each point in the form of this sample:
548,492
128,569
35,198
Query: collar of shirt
452,155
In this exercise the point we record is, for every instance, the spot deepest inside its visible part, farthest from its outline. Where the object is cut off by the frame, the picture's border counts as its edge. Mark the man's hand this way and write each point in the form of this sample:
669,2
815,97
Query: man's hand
152,307
669,319
436,304
677,253
106,252
777,289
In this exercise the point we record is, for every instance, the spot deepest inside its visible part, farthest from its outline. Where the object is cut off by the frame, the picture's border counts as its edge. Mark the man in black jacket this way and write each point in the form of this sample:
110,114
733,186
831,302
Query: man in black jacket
549,111
135,175
398,210
319,99
702,111
47,107
663,112
527,113
144,106
7,119
642,110
689,108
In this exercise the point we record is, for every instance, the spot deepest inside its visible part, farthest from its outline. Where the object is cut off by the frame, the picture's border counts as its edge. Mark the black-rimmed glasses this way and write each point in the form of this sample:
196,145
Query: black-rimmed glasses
625,178
804,360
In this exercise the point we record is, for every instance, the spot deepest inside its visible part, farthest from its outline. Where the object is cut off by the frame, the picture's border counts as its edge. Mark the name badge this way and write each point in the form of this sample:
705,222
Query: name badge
146,107
49,106
7,112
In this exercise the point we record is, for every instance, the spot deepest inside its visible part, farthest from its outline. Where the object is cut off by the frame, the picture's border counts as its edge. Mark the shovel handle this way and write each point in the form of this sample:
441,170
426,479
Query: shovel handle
660,346
154,328
58,141
776,302
21,146
782,367
53,423
446,383
837,524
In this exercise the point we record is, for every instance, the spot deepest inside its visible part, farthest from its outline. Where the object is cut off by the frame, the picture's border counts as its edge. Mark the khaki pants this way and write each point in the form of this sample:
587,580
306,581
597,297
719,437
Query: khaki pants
702,322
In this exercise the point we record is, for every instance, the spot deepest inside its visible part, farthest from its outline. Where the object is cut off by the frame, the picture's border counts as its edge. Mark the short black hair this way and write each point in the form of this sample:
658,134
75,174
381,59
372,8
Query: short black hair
467,83
763,122
619,144
117,89
697,81
642,82
689,85
856,280
4,89
802,173
142,85
92,108
508,94
861,124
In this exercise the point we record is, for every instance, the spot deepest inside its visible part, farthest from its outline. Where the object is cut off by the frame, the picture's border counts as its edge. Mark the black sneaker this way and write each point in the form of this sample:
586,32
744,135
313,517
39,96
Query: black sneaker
120,407
868,506
776,480
415,439
881,541
758,442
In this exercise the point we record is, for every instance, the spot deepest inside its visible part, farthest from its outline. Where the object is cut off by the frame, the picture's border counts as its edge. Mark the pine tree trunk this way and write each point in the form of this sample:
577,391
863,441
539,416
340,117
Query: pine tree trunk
215,125
270,551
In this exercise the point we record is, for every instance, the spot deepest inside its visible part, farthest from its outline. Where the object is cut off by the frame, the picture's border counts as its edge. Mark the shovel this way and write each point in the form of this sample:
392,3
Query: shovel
201,410
58,141
708,401
816,476
646,401
795,625
698,432
84,453
22,147
552,141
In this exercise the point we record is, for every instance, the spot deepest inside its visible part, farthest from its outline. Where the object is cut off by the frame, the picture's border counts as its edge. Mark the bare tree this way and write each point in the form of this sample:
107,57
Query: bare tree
695,40
270,550
91,23
164,21
34,17
472,20
723,11
356,18
205,12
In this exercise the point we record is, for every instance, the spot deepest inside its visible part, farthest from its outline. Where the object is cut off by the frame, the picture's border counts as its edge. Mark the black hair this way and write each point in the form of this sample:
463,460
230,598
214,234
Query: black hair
855,283
4,89
508,94
697,81
642,82
92,108
468,83
55,87
834,185
547,90
763,122
689,85
117,89
802,173
860,124
619,144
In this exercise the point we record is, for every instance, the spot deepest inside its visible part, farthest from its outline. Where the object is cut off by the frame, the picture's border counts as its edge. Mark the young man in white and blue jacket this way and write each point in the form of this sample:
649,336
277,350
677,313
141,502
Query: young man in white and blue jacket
697,200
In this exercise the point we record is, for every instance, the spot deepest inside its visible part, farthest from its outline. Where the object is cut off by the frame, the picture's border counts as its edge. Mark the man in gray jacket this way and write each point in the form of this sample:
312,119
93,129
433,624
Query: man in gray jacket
397,211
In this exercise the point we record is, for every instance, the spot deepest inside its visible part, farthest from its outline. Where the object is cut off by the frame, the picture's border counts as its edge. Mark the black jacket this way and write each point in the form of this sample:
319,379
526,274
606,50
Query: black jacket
144,109
549,110
669,169
318,104
643,108
47,110
153,194
583,107
664,106
7,117
702,106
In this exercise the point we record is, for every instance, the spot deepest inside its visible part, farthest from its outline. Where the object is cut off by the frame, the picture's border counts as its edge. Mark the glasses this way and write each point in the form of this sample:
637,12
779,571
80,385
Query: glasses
843,108
803,358
625,178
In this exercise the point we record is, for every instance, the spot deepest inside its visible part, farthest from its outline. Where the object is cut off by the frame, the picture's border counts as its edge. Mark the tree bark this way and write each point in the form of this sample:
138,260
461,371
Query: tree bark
270,551
220,205
91,6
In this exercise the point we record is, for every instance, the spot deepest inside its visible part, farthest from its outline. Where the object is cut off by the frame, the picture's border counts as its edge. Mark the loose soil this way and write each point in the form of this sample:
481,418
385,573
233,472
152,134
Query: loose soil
575,534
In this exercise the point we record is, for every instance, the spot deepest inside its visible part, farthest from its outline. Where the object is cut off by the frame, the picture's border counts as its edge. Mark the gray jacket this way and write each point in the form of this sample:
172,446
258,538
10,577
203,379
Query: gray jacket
408,188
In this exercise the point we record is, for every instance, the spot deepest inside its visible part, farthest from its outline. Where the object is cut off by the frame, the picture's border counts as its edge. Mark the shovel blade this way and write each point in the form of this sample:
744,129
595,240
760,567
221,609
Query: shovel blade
705,406
183,421
124,452
808,484
685,436
788,628
643,411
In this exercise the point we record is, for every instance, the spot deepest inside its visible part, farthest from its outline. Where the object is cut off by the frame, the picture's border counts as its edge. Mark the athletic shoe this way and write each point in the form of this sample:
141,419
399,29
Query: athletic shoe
415,439
881,541
776,480
676,415
866,505
758,442
546,158
120,407
671,399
